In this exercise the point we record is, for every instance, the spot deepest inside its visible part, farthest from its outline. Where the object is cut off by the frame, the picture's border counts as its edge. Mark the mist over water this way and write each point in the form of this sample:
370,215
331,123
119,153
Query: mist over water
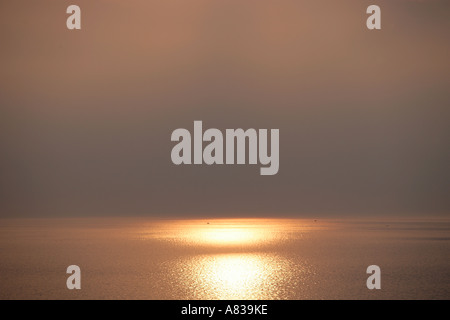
131,258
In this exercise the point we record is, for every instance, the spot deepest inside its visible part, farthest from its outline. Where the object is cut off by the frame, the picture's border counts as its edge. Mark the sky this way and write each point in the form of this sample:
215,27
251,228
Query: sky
87,115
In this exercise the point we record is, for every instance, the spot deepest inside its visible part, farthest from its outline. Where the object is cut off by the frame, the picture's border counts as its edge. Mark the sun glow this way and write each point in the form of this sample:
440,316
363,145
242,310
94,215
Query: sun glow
232,271
232,258
227,232
226,235
235,276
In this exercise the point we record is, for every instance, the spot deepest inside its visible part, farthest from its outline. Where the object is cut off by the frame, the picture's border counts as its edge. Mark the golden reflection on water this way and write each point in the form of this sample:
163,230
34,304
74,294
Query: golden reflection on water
225,235
228,232
234,258
238,276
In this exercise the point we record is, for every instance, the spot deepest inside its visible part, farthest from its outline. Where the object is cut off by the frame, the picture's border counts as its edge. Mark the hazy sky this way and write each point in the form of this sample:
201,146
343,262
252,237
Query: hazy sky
86,116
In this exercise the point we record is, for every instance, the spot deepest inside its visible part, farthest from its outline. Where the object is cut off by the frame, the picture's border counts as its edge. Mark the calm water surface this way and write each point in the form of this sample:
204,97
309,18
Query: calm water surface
224,259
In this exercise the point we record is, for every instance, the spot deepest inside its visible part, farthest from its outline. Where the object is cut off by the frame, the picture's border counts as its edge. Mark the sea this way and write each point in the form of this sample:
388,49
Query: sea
216,259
